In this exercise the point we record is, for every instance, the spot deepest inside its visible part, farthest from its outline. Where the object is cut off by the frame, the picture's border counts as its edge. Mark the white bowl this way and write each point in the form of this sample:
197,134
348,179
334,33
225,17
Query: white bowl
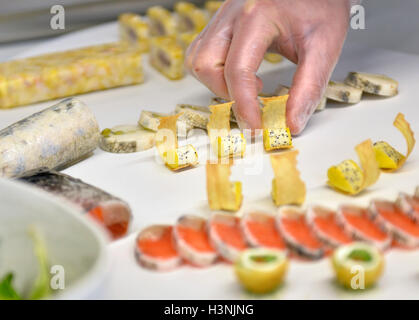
72,241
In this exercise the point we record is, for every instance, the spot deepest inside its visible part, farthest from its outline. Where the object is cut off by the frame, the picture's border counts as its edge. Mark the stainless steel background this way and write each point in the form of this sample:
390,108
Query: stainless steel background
391,24
29,19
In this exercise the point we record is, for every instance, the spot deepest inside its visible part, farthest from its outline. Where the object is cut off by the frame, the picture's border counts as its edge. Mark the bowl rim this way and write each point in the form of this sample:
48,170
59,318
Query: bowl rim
91,280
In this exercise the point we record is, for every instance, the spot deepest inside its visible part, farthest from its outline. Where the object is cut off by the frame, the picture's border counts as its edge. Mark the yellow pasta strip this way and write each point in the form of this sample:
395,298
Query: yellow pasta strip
167,134
222,194
276,134
223,143
390,159
370,168
287,186
348,177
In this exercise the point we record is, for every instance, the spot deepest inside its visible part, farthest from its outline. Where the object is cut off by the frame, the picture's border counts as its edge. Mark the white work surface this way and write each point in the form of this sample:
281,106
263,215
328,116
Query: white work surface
157,195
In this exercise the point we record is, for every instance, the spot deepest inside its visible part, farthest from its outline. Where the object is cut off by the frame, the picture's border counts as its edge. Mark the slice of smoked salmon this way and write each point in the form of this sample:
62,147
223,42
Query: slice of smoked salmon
296,232
409,205
397,245
155,248
192,241
392,219
226,236
326,227
114,217
260,230
358,224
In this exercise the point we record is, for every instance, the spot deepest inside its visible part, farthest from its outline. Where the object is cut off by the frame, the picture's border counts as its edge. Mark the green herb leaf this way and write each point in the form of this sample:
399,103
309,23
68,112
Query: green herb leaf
264,259
7,292
106,132
41,288
360,255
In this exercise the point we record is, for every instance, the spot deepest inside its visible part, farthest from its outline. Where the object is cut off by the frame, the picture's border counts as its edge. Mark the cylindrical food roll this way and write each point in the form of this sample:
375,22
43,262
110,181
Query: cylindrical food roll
49,139
64,74
110,211
192,241
181,157
155,249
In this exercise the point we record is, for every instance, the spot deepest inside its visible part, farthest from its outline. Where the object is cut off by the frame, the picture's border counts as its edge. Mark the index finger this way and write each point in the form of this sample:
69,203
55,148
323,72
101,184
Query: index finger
252,36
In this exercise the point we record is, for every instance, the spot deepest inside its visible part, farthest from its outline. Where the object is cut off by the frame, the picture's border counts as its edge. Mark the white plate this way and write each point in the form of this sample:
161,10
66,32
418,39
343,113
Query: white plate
157,195
74,244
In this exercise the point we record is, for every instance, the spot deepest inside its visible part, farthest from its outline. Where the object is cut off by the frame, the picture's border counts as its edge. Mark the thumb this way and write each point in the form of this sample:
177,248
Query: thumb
315,66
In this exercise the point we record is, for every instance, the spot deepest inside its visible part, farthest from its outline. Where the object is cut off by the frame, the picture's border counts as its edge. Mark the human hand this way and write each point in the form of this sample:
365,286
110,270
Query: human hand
229,51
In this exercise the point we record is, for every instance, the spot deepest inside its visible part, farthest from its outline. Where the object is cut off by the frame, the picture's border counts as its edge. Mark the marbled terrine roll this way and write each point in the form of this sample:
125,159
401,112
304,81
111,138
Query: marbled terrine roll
109,211
49,139
67,73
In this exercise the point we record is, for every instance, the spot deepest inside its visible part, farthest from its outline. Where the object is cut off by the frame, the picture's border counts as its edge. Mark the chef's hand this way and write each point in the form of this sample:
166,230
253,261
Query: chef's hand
228,52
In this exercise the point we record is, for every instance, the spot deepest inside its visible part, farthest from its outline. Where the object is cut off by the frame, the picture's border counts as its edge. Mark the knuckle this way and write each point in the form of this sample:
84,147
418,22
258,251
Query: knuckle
202,66
237,72
232,70
314,89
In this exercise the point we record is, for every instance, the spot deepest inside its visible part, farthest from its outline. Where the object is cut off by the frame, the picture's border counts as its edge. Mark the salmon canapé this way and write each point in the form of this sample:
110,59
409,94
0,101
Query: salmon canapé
325,225
294,228
358,223
392,219
226,236
260,230
192,241
155,248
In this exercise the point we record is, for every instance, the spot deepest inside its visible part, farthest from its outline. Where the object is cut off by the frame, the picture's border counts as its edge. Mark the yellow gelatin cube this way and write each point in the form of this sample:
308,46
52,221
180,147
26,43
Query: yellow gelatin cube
161,21
279,138
350,178
346,176
387,156
276,134
166,55
134,30
181,157
231,145
191,18
273,57
212,7
184,7
186,38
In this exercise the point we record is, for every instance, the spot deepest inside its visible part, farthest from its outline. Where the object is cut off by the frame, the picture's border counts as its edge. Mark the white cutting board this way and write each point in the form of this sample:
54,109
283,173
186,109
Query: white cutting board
157,195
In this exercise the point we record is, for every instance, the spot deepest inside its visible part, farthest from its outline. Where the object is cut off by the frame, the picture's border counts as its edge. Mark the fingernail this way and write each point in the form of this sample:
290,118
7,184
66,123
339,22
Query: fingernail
242,123
302,120
305,116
